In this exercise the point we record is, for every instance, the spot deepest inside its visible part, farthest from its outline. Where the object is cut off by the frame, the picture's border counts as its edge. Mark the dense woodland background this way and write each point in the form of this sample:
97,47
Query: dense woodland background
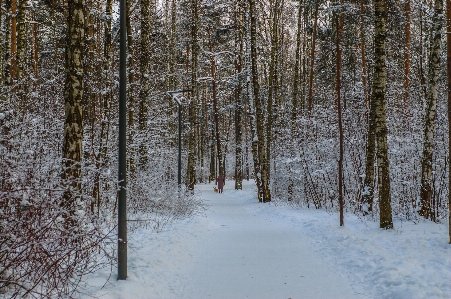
283,92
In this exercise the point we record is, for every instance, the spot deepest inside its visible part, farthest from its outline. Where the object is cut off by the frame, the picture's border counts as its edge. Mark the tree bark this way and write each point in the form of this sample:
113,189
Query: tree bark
35,48
2,26
378,99
407,57
363,54
21,39
146,29
448,71
339,20
216,109
130,94
213,175
295,97
13,53
431,108
312,60
73,94
273,80
238,98
191,169
7,50
172,50
368,183
258,140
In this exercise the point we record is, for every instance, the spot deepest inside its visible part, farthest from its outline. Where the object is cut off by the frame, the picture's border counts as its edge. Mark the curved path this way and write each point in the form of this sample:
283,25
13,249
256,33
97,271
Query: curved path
248,256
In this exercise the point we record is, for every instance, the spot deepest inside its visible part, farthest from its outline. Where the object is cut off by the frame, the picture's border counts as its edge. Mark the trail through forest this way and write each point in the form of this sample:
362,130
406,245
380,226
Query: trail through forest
251,256
244,249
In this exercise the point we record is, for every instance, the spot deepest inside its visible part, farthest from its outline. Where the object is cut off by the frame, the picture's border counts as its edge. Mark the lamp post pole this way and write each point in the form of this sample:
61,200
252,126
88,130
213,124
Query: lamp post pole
122,171
179,159
174,95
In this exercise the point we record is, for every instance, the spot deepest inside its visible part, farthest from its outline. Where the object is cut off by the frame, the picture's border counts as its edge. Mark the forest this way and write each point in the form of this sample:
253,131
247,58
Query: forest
342,106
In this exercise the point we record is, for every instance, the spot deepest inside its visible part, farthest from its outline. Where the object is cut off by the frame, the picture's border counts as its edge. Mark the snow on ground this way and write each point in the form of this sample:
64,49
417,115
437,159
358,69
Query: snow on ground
244,249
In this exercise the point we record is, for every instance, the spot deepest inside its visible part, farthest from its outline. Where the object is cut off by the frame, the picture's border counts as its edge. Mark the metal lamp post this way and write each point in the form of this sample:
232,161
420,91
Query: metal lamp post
174,94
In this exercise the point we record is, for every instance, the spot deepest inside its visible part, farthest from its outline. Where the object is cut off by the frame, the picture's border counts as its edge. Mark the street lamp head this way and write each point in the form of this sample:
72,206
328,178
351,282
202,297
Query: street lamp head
175,93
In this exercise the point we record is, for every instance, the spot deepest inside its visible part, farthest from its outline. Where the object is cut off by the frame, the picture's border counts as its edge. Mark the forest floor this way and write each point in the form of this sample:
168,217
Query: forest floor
243,249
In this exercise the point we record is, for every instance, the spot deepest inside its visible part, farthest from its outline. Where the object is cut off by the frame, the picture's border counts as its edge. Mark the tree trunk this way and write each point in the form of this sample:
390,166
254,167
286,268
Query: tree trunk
73,94
431,108
146,29
21,39
407,57
378,99
339,20
448,71
13,53
2,50
312,60
35,48
105,111
421,59
362,50
213,175
7,50
266,168
191,169
258,142
215,109
368,183
295,98
238,101
130,94
172,45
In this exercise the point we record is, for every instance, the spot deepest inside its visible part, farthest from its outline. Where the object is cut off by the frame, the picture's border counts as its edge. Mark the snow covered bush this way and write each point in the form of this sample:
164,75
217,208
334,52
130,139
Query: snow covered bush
44,252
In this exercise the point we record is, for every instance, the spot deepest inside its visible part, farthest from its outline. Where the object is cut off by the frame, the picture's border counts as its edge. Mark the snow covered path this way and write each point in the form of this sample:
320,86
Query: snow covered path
243,249
252,257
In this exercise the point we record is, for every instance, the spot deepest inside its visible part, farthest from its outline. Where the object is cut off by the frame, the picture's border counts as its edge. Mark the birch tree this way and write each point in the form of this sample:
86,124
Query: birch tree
431,108
378,101
73,95
258,141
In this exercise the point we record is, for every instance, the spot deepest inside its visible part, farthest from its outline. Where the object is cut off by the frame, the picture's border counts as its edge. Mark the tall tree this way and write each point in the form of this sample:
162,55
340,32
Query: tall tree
431,108
146,29
215,107
312,59
295,95
363,52
407,56
21,38
13,50
130,92
258,145
191,168
2,45
172,46
339,52
378,100
238,98
35,46
448,71
272,84
73,94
